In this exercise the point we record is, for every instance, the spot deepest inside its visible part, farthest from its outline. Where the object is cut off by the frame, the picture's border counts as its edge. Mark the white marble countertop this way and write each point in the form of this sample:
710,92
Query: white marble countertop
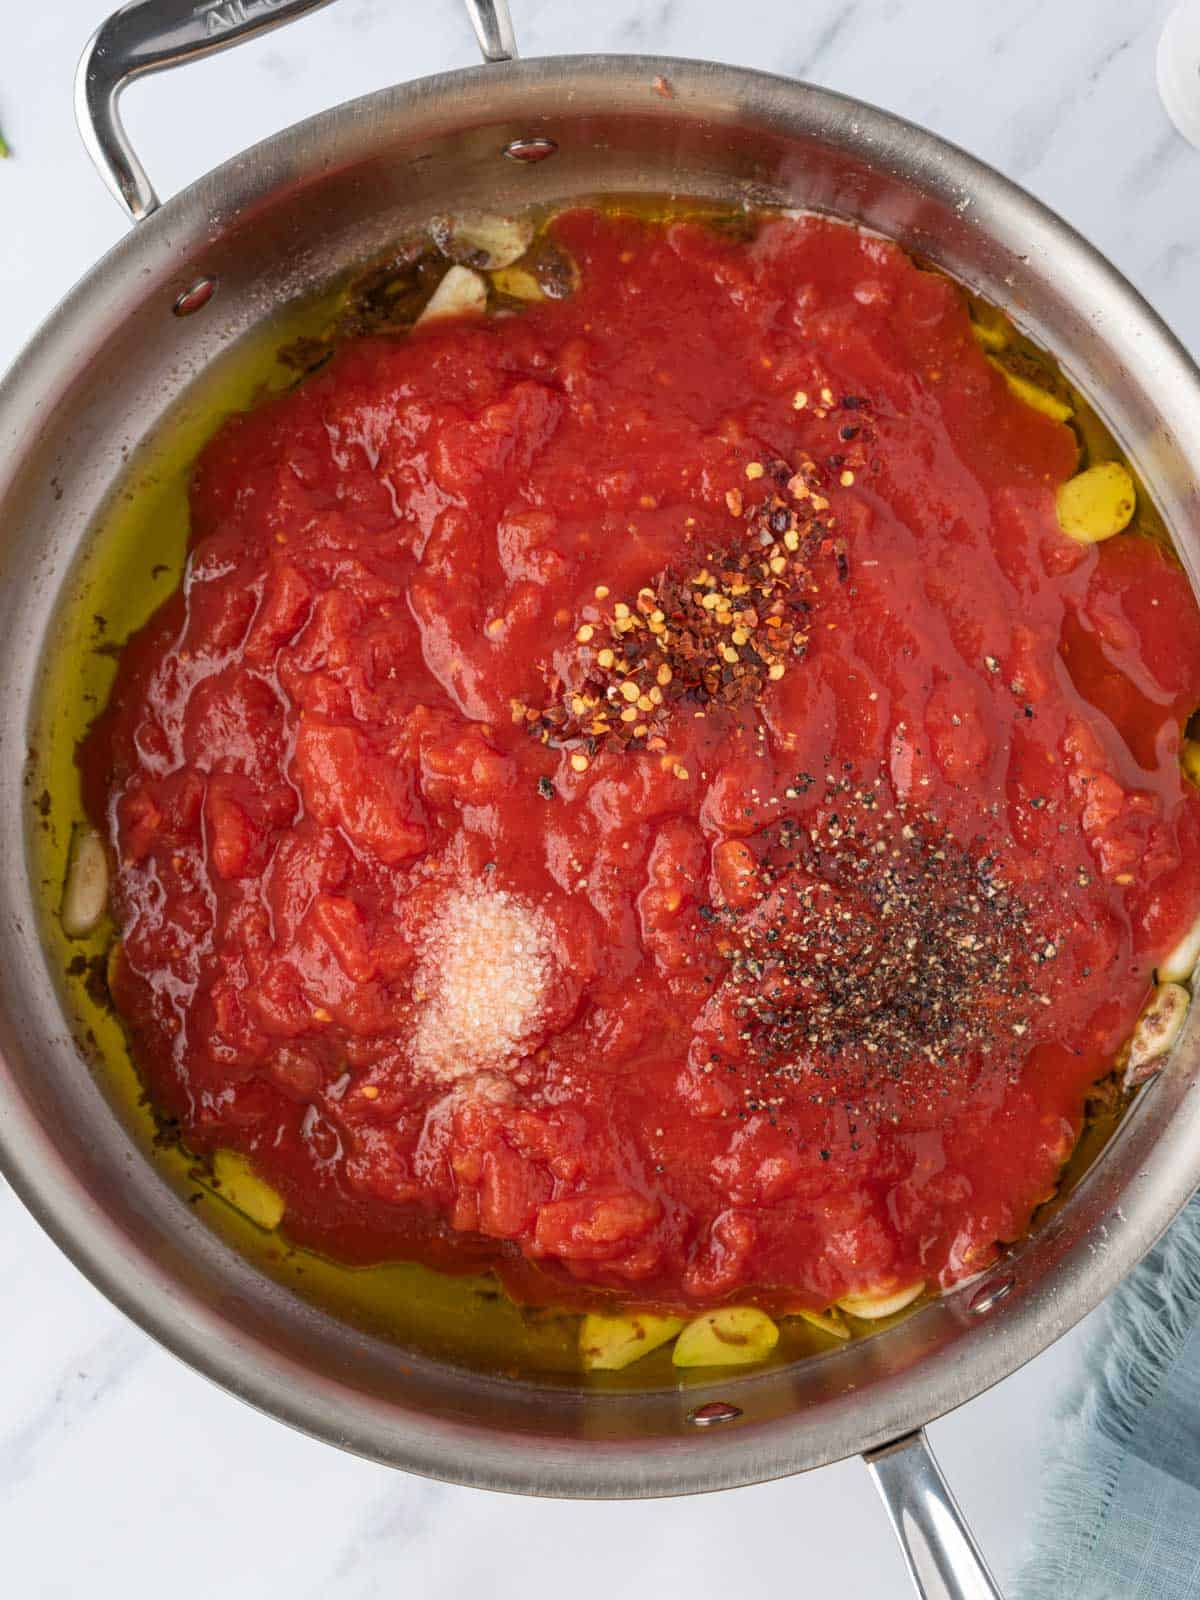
123,1474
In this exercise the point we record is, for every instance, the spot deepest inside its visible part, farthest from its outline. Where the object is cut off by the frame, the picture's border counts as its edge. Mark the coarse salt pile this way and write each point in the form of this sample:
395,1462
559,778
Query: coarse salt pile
485,968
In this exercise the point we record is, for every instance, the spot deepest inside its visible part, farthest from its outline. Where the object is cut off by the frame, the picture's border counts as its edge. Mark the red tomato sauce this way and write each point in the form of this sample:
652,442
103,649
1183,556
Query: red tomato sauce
792,982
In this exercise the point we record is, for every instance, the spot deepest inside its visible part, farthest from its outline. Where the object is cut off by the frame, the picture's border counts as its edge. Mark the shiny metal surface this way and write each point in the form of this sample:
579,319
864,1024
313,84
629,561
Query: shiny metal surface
943,1559
151,36
530,150
114,363
492,22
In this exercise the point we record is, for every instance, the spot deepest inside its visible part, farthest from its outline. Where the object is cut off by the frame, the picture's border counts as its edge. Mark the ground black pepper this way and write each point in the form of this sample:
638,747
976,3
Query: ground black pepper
882,945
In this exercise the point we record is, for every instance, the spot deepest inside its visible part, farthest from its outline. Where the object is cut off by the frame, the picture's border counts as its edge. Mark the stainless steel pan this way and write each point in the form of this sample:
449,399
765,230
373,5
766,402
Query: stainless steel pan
101,375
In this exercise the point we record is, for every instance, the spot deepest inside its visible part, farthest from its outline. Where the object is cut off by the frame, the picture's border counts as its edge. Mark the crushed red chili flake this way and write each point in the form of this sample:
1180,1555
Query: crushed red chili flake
713,635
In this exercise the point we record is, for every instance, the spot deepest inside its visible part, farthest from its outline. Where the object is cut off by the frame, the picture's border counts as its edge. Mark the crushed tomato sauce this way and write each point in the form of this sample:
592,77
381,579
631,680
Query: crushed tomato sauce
642,794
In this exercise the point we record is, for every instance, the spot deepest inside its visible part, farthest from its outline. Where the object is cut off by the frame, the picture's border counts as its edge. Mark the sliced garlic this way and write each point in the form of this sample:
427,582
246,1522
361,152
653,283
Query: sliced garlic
556,272
518,282
870,1307
606,1344
479,239
1156,1031
1178,965
240,1185
735,1336
1096,503
1033,395
991,335
461,293
827,1321
85,889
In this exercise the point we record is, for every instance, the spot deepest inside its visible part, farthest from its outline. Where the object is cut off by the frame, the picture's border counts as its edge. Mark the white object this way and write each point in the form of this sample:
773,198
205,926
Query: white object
485,968
85,892
1158,1027
1179,69
1180,963
461,293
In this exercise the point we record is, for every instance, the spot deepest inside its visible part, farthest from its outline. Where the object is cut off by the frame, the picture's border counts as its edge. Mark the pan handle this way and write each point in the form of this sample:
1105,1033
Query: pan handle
943,1559
150,35
492,22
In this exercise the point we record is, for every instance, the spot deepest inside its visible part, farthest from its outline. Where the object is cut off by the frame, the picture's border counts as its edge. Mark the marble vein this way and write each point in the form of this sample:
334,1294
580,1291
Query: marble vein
79,1392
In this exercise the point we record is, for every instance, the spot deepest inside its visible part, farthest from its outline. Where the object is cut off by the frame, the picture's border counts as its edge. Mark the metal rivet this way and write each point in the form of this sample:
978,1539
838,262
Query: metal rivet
530,149
195,298
715,1411
989,1295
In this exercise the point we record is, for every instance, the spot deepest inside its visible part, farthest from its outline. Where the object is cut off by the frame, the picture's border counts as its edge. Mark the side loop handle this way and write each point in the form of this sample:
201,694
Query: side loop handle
152,35
492,22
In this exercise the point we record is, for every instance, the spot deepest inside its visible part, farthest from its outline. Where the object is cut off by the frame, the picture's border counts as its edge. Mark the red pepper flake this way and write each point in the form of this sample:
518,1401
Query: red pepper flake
714,634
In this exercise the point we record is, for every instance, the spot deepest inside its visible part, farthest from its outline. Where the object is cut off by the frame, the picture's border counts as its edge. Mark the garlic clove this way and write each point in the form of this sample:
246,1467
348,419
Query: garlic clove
240,1185
880,1302
85,888
734,1336
461,293
1178,964
483,240
1097,503
1155,1031
606,1344
829,1322
1033,394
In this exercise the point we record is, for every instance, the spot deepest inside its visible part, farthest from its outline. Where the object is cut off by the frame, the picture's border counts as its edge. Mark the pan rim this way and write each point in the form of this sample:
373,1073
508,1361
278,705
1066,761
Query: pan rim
212,1343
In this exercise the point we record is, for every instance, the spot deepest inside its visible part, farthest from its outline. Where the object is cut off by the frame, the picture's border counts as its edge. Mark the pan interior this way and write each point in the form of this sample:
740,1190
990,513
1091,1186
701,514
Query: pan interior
117,372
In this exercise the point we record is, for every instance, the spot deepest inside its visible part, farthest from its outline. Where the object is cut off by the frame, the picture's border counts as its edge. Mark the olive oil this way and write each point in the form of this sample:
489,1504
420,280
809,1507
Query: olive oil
133,563
1013,351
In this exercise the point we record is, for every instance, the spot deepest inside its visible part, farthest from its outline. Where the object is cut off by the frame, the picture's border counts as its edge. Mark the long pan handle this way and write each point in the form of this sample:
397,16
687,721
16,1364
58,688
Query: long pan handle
943,1559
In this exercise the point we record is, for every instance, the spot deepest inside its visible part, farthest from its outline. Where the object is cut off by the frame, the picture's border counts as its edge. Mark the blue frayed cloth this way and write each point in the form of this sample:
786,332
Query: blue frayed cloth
1121,1514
